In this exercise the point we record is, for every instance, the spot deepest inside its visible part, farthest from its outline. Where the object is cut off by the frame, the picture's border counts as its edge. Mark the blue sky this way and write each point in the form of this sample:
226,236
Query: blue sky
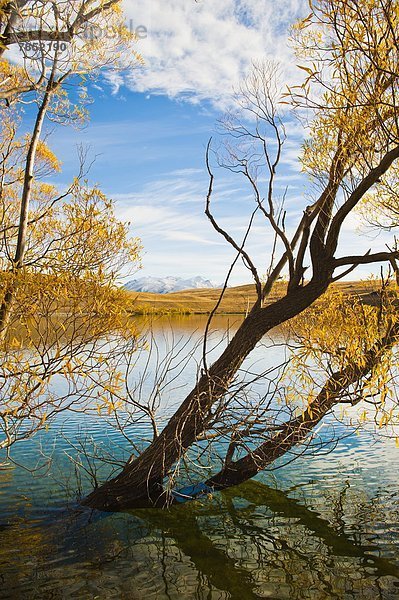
149,128
149,156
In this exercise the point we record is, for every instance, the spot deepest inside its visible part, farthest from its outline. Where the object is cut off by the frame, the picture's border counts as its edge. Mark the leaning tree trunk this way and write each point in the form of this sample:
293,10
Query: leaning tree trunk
140,482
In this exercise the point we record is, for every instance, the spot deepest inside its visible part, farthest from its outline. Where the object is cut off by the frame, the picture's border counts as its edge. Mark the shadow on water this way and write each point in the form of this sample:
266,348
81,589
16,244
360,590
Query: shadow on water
340,543
222,570
250,542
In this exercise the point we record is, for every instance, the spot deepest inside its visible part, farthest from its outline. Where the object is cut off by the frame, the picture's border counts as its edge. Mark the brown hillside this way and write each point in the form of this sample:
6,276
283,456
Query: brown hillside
237,300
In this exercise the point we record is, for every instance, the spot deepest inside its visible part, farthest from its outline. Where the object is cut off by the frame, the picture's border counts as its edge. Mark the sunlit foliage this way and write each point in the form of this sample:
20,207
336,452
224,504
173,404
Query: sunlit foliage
64,323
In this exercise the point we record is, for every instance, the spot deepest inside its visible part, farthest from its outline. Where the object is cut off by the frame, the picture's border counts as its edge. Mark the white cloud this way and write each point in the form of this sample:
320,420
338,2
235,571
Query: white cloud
200,50
168,215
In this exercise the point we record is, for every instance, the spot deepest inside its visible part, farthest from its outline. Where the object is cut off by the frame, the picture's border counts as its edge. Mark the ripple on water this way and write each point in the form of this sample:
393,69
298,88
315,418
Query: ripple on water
331,530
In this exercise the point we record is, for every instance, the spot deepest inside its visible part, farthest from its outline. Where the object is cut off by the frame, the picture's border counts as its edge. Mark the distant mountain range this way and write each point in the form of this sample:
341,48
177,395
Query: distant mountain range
164,285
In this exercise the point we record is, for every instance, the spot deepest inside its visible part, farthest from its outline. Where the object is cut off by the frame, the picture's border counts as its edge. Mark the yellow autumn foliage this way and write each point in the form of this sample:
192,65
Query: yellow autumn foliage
336,333
349,52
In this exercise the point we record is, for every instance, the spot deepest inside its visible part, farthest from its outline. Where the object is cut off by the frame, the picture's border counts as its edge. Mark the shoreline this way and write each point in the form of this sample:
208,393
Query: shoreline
237,300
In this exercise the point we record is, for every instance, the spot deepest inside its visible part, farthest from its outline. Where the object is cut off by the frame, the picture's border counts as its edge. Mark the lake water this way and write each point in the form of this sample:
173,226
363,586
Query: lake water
319,527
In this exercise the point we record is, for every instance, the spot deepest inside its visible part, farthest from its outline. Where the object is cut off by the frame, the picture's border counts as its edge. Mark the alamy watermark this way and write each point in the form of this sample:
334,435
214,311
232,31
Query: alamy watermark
96,32
89,32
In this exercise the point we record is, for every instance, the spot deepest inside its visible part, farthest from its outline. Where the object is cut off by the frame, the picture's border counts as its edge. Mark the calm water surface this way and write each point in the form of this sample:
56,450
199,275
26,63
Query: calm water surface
318,528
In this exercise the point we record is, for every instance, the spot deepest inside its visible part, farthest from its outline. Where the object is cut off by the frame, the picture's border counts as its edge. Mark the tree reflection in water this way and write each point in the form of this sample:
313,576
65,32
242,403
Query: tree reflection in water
251,542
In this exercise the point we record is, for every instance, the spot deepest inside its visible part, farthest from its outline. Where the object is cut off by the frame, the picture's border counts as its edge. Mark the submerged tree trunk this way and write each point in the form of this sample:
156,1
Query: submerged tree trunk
140,482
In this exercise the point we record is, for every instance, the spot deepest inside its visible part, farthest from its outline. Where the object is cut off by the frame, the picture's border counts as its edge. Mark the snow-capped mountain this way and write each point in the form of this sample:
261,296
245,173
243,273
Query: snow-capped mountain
164,285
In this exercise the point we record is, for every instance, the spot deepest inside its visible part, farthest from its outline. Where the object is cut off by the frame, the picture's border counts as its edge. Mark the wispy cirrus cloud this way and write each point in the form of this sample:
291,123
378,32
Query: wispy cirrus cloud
168,215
